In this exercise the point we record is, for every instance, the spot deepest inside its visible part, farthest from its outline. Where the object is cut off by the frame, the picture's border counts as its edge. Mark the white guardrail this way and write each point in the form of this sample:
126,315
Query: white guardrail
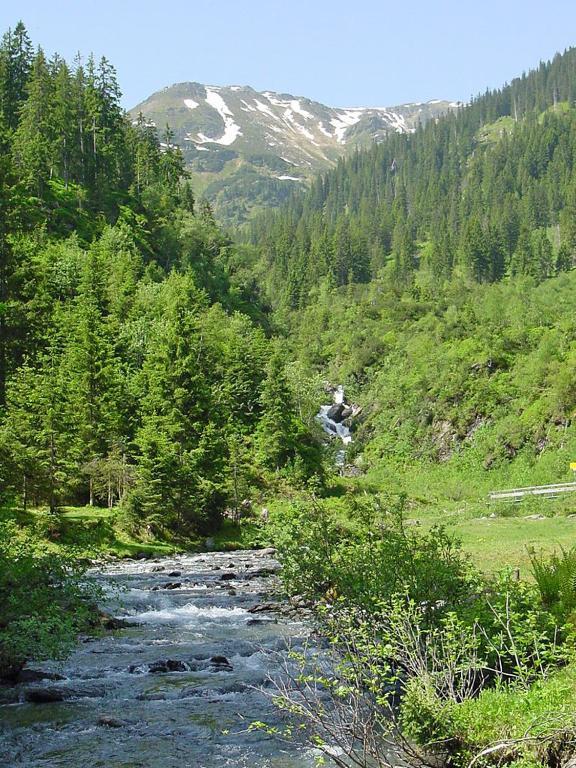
515,494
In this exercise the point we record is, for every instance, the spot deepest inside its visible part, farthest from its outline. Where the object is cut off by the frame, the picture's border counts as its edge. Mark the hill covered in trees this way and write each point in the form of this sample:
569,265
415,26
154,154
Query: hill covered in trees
133,367
486,192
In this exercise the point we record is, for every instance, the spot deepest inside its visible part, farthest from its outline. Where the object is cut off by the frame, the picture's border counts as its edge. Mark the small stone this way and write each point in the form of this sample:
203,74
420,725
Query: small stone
220,664
111,722
256,622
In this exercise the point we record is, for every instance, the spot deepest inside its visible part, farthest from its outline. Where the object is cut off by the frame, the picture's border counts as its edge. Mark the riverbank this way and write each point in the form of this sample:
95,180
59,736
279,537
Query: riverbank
44,599
100,533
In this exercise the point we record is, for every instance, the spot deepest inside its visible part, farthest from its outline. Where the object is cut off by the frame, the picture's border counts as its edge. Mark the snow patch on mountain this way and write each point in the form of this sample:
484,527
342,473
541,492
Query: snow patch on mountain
344,121
265,109
231,129
289,105
191,104
396,121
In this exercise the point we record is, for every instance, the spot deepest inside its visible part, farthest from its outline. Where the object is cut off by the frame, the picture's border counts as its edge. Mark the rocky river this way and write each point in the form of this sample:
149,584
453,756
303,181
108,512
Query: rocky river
178,685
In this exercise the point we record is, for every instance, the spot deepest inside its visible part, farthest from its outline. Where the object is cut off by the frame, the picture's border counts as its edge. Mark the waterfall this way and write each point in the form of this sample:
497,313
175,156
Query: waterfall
331,417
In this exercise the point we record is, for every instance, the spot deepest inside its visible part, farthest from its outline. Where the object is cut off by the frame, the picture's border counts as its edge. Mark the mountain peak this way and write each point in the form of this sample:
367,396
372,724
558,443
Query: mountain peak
248,149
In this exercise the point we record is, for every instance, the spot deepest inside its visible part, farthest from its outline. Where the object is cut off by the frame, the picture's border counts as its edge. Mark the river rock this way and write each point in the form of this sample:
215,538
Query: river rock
228,576
335,412
44,695
37,675
262,572
162,666
220,664
175,573
263,608
111,622
158,568
264,620
151,696
267,551
171,585
111,722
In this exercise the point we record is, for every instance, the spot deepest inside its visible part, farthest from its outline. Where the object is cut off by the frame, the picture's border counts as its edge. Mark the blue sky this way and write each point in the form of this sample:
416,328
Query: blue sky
353,53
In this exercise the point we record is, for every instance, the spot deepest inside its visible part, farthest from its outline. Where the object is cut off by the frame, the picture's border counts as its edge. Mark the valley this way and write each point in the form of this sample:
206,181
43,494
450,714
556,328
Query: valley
260,371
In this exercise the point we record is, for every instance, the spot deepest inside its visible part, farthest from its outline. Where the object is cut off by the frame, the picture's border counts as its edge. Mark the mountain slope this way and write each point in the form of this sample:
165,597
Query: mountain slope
487,192
247,149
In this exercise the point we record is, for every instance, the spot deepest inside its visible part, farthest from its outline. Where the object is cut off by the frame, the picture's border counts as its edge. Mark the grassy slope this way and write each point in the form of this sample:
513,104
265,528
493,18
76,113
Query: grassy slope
94,532
87,532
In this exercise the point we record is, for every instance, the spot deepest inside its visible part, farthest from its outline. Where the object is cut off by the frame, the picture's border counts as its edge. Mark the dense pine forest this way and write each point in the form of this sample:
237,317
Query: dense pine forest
486,192
167,374
133,367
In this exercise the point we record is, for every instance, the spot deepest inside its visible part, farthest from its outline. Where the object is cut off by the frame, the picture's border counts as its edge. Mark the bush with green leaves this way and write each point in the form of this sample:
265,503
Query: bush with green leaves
414,631
44,599
369,554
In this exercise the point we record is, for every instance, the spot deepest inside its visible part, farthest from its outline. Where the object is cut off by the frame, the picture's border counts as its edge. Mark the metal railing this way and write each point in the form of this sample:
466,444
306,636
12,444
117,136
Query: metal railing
548,491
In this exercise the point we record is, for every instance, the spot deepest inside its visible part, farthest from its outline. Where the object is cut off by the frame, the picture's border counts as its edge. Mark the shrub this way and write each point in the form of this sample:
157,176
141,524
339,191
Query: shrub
44,600
372,557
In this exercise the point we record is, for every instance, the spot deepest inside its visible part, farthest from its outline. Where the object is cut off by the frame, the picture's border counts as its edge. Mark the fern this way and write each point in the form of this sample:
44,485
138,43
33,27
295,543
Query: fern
555,576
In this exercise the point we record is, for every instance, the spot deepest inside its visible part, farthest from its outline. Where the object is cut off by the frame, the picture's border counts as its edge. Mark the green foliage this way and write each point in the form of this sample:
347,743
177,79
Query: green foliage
283,441
481,193
44,600
130,369
368,555
555,576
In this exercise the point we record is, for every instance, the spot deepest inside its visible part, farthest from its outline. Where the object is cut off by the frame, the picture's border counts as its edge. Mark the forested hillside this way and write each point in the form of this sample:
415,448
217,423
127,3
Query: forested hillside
133,366
486,192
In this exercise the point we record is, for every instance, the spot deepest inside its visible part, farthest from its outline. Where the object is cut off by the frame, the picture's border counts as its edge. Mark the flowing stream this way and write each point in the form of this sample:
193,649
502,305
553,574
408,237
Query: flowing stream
334,426
177,687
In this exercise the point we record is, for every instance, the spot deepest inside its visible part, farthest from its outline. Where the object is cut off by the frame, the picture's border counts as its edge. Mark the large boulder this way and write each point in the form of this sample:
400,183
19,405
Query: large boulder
335,412
37,675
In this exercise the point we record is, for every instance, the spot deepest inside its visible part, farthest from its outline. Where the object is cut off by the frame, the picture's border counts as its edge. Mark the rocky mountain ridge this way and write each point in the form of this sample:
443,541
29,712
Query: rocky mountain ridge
248,149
